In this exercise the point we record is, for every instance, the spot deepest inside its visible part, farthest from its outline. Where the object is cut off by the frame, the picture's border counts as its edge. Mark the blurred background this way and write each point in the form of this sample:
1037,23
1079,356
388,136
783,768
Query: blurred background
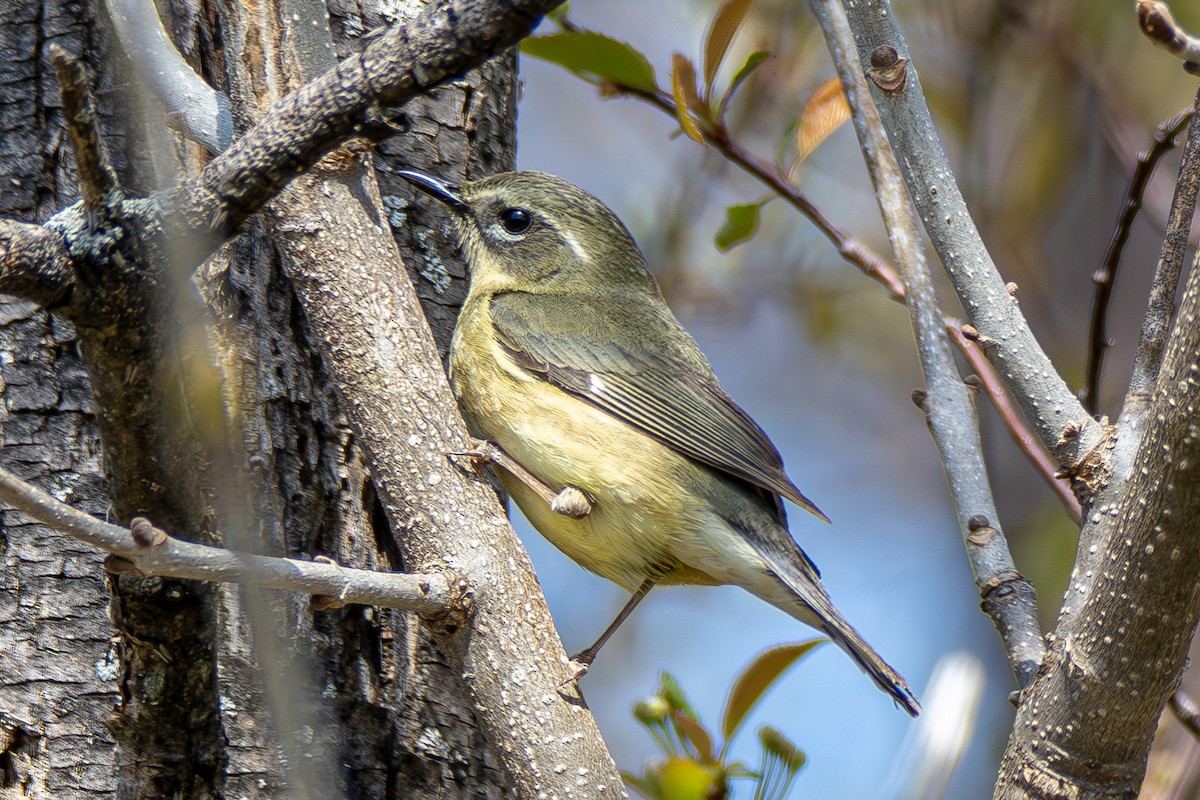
1043,108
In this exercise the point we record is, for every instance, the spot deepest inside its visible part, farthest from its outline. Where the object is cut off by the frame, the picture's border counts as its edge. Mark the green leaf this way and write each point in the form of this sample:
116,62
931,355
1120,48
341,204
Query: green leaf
670,691
752,62
725,24
741,221
596,56
763,671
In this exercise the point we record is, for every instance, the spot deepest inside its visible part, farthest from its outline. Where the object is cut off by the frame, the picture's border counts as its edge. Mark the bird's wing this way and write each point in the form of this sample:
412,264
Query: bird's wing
656,380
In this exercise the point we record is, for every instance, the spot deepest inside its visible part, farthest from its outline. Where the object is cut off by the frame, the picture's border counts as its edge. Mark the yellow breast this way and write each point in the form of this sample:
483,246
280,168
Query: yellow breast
640,517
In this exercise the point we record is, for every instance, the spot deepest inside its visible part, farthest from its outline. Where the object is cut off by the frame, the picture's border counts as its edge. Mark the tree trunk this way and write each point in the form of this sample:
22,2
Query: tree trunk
391,719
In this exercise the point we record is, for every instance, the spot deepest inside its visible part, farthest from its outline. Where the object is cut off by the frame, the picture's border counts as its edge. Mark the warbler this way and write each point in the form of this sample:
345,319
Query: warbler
614,436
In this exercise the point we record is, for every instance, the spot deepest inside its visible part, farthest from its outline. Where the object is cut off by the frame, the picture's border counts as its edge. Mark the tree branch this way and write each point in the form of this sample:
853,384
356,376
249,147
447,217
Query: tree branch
349,100
200,112
149,551
34,263
1008,597
1105,277
97,179
1164,287
1061,423
1089,719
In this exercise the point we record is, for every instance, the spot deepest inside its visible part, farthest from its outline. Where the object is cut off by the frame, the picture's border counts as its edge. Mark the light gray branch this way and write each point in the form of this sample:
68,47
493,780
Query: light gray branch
429,595
1060,421
199,111
1008,597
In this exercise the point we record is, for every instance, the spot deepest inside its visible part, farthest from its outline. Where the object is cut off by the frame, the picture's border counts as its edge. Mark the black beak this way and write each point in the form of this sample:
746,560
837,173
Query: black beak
436,187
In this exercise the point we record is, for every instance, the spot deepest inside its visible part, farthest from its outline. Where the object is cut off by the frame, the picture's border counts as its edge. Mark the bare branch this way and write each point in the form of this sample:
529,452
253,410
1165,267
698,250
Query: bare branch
1165,285
34,263
1011,416
200,112
350,100
98,182
149,551
1044,397
1105,277
1158,23
1008,597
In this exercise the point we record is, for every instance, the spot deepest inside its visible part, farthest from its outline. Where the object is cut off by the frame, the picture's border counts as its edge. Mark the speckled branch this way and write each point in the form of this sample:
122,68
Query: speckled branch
1062,424
1089,719
1008,597
34,263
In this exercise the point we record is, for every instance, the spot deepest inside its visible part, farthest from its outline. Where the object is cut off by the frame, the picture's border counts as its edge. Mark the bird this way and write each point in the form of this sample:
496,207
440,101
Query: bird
607,424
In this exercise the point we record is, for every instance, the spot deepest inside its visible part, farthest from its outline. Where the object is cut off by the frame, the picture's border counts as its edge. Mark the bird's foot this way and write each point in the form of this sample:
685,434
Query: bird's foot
579,665
570,501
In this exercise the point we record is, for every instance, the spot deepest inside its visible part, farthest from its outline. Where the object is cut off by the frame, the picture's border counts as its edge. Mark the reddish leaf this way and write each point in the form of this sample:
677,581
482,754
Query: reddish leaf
725,24
824,112
683,88
695,733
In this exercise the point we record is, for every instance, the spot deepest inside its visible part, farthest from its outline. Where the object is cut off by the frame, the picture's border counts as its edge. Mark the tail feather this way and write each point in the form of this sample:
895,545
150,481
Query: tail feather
886,678
805,599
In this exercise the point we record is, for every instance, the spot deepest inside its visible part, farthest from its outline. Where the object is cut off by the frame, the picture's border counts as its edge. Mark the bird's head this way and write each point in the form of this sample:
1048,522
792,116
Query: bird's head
532,230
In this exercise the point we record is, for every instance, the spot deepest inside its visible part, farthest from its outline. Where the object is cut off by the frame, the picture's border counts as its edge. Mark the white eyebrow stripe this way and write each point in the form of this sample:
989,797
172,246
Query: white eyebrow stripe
574,244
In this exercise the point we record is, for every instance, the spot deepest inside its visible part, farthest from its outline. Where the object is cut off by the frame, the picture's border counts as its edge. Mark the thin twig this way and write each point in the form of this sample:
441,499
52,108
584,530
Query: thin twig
1161,306
1045,400
854,251
98,182
1105,277
432,594
1013,420
1158,23
1008,597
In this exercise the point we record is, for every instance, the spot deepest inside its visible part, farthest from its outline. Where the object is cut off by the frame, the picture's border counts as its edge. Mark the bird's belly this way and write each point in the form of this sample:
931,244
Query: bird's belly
642,524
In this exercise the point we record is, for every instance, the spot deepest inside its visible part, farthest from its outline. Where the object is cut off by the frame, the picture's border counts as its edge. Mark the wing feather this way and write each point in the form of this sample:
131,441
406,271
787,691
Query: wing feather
657,381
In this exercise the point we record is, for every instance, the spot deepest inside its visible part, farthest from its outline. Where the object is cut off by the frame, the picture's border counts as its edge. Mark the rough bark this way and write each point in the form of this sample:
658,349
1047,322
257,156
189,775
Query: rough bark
392,710
58,669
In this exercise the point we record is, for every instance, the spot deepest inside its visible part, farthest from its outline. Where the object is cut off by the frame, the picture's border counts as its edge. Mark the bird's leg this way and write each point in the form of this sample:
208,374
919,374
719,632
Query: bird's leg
571,501
582,661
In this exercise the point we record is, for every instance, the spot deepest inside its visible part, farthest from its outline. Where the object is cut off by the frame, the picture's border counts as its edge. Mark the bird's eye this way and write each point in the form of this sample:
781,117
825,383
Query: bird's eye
516,220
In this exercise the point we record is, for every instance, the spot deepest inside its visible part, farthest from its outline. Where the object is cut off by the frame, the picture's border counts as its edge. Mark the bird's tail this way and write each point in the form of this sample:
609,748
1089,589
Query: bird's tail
850,640
807,601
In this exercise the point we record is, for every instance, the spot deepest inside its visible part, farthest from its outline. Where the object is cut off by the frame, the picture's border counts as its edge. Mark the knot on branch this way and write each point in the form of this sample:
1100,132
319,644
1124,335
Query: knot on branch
1093,471
888,70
